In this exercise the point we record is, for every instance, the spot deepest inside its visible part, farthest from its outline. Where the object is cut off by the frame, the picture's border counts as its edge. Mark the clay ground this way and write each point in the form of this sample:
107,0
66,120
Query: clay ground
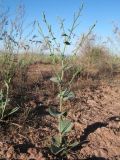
95,112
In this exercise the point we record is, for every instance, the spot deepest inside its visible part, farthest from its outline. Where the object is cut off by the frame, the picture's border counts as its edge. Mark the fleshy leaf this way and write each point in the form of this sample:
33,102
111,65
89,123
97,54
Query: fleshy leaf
56,150
68,96
55,79
64,35
67,43
56,140
65,126
55,113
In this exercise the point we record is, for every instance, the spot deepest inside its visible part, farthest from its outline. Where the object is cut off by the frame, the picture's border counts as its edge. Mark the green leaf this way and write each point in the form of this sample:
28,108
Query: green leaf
55,79
1,95
13,110
9,111
61,94
68,95
67,43
64,35
57,140
66,67
75,144
56,150
65,126
54,112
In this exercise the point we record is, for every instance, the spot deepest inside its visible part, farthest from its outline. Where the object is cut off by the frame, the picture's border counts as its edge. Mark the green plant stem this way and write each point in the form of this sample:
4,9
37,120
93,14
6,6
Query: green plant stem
6,101
60,90
62,74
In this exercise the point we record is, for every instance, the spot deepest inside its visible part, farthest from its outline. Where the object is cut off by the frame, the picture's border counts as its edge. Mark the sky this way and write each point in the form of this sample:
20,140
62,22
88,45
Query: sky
105,12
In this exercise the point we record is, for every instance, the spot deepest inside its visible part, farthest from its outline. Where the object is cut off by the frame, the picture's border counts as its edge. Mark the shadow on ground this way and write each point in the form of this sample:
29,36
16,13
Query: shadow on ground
96,158
89,129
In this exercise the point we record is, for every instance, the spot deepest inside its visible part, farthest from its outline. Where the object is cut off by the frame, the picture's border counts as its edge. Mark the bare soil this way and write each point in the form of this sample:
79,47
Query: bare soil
95,112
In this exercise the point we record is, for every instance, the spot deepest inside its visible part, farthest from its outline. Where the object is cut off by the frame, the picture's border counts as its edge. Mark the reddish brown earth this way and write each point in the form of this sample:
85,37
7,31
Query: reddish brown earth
95,113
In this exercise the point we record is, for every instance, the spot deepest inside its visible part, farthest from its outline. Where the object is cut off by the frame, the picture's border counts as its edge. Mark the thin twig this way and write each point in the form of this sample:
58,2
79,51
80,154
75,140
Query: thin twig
15,124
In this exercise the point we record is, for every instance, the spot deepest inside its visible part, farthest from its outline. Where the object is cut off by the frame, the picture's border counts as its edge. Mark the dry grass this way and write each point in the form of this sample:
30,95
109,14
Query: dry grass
98,62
